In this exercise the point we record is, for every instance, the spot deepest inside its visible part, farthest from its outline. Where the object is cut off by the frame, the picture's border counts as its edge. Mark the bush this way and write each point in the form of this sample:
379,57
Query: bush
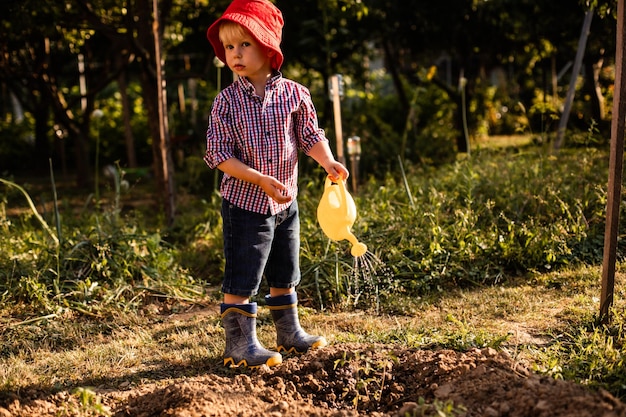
91,263
475,222
478,221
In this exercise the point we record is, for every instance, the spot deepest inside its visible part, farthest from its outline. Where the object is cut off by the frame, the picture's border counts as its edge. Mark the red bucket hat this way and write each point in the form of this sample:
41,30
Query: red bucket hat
261,18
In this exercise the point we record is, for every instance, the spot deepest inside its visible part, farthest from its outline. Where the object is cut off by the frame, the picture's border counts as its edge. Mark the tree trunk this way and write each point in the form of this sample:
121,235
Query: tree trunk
390,64
582,42
42,140
128,130
165,150
154,95
459,118
592,85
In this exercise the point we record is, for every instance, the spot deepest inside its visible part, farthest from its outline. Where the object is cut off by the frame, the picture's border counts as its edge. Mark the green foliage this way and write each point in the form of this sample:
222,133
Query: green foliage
103,262
195,177
589,354
369,377
369,383
500,114
475,222
465,337
89,403
31,205
110,128
437,408
429,134
200,234
425,135
15,143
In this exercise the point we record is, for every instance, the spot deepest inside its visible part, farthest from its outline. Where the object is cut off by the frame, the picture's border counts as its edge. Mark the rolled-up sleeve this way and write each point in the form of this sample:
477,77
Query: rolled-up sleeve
306,125
219,140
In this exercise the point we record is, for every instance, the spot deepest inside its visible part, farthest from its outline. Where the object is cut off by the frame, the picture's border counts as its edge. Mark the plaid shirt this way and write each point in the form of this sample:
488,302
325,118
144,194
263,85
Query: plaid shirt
265,134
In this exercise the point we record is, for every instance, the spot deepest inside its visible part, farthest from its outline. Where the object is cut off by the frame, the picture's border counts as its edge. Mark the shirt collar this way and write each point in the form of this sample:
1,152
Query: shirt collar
272,82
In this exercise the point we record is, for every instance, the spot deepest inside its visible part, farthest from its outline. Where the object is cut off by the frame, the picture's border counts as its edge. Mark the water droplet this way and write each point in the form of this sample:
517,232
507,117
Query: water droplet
369,274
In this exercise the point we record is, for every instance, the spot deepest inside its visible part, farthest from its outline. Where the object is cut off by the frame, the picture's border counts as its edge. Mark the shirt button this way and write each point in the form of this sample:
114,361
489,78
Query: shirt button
269,160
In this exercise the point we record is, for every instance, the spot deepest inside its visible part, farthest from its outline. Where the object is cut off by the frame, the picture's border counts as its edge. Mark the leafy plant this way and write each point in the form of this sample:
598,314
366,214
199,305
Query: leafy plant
475,222
89,403
592,355
101,263
369,377
437,408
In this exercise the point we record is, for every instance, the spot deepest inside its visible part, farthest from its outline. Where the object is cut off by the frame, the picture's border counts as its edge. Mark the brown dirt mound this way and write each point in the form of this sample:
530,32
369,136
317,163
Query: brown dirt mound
348,380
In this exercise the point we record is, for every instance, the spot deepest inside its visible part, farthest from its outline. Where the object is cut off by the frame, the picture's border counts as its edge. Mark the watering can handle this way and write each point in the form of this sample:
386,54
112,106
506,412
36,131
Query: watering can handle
342,191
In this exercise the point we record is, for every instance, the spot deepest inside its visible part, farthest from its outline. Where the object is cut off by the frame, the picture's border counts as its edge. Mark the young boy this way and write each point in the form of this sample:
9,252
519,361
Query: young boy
257,126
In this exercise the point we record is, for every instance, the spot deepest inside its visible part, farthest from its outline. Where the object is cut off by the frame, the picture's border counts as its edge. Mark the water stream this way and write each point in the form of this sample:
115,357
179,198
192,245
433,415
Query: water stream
369,273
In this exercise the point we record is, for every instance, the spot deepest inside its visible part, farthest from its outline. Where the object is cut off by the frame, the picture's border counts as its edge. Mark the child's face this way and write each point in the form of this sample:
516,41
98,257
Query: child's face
244,55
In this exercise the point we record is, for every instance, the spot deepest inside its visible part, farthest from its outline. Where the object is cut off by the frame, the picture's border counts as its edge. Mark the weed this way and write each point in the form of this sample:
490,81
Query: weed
589,355
437,408
369,377
89,403
34,211
101,263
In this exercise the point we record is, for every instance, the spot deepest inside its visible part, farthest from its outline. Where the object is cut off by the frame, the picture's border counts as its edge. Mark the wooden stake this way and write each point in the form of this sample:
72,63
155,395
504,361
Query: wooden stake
334,80
616,163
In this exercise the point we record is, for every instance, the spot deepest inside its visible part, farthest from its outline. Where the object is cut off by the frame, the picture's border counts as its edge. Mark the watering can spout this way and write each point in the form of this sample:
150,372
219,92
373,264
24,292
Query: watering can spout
336,214
358,249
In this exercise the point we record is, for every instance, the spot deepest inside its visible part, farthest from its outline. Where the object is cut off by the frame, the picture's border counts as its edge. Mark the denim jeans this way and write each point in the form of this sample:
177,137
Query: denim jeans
260,244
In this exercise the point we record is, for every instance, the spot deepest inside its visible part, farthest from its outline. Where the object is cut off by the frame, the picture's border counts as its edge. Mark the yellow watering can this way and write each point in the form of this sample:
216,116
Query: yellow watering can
336,214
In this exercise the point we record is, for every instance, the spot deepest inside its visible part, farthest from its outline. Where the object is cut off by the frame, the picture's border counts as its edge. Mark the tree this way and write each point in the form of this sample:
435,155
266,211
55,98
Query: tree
35,64
39,64
529,40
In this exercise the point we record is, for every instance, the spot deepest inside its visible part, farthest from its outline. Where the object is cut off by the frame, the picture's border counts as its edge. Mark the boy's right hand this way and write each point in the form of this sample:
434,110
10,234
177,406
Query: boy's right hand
272,187
275,189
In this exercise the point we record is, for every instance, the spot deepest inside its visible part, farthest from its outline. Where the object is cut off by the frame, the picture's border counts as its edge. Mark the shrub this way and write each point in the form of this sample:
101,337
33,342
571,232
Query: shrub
91,263
475,222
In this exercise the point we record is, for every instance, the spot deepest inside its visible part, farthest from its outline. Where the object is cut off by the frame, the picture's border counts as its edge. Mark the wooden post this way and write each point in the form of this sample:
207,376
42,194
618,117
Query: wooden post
334,82
616,163
164,135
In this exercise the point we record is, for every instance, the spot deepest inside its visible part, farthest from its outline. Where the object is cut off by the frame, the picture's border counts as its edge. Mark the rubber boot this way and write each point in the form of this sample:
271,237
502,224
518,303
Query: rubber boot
242,345
290,338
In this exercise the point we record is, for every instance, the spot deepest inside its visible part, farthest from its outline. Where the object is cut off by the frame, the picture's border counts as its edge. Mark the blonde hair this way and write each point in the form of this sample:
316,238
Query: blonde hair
230,30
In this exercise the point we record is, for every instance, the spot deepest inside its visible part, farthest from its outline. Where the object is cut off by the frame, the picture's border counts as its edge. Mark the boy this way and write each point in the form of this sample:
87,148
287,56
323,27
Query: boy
256,128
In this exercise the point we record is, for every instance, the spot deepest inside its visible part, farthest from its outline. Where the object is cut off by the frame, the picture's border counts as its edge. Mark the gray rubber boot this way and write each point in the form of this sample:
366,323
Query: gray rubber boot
290,338
242,345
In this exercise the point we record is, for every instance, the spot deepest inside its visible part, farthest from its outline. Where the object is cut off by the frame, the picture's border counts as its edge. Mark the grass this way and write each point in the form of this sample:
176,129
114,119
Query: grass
503,141
172,340
499,250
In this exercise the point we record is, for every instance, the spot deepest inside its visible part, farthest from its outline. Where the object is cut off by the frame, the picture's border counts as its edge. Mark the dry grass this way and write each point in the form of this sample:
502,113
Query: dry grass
170,341
503,141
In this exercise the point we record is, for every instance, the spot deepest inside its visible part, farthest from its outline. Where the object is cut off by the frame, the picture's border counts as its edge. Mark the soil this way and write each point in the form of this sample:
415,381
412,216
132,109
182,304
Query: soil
343,380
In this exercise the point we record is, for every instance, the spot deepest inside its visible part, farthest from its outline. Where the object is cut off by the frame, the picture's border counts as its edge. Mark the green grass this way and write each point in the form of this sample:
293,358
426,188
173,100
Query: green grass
502,249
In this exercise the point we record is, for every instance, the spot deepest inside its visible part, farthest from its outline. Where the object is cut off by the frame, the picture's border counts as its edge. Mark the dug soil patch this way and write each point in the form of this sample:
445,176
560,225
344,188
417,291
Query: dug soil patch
345,380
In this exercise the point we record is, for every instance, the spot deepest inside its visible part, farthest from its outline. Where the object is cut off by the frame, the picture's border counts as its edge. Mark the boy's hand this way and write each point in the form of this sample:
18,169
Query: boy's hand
274,189
337,171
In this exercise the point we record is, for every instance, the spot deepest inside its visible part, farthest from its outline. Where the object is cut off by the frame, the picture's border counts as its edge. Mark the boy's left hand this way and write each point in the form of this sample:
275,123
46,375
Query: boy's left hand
337,171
